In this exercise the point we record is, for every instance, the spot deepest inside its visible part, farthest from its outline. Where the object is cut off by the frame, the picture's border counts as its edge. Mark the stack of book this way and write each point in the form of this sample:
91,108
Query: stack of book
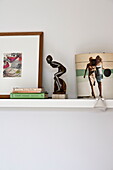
28,93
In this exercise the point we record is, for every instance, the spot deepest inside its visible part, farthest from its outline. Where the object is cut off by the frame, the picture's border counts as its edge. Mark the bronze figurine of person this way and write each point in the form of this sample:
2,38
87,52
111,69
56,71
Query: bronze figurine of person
59,84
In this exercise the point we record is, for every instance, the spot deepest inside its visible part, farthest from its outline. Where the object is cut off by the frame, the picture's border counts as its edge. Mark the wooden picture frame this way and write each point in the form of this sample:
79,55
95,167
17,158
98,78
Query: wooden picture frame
20,61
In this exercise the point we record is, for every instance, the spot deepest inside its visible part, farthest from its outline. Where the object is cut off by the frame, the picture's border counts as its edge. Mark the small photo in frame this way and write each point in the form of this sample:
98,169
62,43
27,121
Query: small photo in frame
20,61
12,65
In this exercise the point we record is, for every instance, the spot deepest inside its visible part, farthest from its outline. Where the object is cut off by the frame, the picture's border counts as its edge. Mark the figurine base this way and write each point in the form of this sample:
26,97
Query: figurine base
59,96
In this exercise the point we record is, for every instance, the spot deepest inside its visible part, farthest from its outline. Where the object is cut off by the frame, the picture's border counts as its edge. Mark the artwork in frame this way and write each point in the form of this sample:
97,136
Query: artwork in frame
12,64
20,61
94,75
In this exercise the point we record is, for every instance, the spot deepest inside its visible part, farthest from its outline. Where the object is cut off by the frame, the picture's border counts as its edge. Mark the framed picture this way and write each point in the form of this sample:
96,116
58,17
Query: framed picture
94,75
20,61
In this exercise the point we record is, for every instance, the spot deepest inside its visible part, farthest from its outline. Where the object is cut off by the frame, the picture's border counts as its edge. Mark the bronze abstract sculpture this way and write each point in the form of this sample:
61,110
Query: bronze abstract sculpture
59,84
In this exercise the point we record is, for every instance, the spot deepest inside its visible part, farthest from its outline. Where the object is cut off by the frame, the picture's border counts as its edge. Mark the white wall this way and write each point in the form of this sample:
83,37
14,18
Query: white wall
61,139
56,140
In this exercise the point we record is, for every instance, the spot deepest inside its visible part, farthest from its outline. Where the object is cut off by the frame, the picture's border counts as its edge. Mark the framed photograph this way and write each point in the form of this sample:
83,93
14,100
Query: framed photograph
20,61
94,75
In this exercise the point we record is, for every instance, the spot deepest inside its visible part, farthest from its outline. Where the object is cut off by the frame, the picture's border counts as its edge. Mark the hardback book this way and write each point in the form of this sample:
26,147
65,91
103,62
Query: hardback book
28,90
28,95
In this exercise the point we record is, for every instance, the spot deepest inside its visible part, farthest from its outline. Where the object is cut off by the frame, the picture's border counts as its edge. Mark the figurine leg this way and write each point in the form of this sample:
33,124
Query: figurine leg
56,76
57,82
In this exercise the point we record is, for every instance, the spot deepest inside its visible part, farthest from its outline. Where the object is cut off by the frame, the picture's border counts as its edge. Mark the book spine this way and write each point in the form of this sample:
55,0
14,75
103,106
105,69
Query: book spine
28,96
27,89
27,92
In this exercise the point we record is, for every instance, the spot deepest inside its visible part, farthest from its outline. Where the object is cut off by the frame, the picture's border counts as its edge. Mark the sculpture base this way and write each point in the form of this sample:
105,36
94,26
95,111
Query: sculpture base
59,96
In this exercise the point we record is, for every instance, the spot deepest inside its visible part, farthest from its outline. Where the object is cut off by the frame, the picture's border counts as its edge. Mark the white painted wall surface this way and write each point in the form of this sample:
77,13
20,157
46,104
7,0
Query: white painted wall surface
59,139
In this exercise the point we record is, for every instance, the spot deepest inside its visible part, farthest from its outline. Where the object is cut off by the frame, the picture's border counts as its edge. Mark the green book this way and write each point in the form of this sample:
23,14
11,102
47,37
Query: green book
28,95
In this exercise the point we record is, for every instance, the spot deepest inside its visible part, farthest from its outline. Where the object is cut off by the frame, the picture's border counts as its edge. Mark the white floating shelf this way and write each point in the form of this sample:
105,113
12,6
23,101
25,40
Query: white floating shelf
52,103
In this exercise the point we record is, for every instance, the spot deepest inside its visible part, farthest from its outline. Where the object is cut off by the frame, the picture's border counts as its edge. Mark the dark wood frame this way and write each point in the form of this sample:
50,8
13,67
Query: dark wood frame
40,53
